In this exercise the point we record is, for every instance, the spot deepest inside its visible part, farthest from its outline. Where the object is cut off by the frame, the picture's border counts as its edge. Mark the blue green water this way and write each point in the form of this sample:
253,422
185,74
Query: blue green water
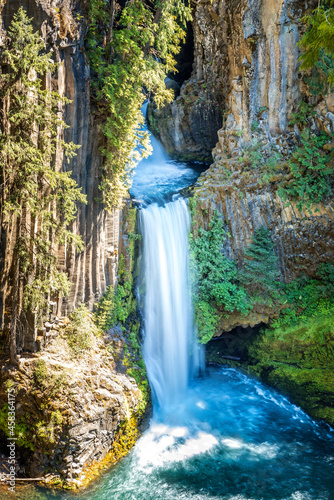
232,438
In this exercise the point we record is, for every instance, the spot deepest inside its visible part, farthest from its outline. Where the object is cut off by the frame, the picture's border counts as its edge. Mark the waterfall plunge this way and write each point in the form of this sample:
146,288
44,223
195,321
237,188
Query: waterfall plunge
170,352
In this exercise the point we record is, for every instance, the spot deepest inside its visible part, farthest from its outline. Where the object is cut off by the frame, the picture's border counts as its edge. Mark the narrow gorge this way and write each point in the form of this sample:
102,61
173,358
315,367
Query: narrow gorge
166,251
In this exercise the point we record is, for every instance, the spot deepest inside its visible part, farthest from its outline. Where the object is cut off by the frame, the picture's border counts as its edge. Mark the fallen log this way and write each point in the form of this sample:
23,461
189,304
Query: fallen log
233,358
19,479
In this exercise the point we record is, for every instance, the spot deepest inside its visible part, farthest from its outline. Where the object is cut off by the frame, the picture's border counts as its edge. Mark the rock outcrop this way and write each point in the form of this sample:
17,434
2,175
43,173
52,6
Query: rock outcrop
188,127
62,26
245,76
75,413
303,238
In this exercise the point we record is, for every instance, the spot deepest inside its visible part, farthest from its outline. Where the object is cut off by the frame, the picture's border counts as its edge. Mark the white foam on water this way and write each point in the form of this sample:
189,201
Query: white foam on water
162,445
265,450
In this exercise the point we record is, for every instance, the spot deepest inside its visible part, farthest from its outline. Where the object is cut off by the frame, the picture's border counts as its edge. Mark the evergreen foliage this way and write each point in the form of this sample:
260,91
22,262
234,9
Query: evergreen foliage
215,279
260,272
34,192
318,79
131,49
216,274
306,298
207,319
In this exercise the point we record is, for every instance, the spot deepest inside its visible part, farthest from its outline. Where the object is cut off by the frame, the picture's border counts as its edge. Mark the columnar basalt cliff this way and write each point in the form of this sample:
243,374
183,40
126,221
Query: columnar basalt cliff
245,70
246,53
93,269
79,409
260,87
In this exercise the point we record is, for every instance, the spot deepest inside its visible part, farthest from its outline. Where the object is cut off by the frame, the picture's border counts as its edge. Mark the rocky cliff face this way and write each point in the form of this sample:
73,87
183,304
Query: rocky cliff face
245,75
62,25
188,127
246,54
303,239
78,411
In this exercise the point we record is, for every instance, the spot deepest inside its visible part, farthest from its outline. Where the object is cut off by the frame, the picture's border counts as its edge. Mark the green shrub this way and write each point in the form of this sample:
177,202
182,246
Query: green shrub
23,430
307,298
49,381
105,313
259,274
215,274
206,320
81,330
311,170
214,278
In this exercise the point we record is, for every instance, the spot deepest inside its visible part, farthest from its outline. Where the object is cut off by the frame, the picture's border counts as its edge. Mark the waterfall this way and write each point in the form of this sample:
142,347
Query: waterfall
170,352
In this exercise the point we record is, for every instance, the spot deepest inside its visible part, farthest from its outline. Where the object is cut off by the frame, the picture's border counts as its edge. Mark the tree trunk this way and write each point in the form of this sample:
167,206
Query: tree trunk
16,299
110,30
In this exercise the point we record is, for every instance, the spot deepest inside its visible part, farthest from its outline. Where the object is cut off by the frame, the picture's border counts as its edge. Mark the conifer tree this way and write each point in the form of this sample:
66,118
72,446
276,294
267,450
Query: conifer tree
38,200
260,272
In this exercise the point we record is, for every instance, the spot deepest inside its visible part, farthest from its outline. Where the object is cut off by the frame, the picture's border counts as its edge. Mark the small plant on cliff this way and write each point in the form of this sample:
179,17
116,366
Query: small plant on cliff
306,298
81,330
48,380
215,278
260,272
311,169
36,196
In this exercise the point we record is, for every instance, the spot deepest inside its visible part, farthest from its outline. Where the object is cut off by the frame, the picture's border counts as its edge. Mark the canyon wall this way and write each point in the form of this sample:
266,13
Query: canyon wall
246,54
62,26
79,408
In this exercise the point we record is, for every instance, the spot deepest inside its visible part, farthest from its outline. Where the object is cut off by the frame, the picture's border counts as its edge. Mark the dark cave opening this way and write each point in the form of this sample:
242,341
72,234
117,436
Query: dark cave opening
185,58
233,345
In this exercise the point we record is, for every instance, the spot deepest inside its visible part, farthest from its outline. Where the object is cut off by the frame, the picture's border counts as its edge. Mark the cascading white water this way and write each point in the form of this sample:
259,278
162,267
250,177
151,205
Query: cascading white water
170,352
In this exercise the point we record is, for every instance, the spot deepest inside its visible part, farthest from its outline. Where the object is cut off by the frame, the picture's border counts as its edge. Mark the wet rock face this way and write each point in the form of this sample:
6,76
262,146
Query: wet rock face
188,127
265,85
248,51
92,270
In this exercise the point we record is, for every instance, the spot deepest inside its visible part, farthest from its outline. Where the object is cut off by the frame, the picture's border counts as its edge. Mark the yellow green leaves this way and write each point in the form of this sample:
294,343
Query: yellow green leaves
319,38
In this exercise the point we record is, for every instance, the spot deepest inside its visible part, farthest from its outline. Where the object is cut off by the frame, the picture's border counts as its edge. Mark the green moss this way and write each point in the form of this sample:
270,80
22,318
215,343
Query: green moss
297,360
46,431
49,381
22,429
